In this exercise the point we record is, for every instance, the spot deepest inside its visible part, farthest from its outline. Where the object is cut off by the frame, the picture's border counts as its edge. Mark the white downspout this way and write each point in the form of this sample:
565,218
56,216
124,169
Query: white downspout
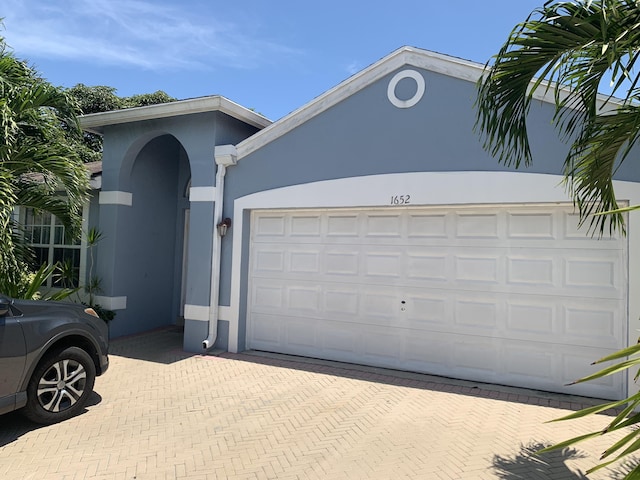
225,156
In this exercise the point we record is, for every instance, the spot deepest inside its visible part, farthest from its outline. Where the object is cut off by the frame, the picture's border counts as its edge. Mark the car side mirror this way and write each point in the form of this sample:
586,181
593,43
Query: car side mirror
5,306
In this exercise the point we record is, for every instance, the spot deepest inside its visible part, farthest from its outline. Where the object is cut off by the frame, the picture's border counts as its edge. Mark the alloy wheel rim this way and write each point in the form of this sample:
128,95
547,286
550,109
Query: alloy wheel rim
62,385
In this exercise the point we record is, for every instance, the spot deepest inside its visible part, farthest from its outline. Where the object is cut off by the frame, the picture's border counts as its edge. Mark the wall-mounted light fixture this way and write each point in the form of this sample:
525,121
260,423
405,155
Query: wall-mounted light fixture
223,226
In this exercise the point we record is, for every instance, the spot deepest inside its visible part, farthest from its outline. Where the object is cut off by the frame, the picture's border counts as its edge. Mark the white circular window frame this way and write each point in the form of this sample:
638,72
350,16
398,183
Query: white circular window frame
397,78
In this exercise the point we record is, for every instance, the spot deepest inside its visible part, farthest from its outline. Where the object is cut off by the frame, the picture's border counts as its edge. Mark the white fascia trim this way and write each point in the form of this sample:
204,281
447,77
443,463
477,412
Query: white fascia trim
115,197
199,313
112,303
202,194
96,122
403,57
426,189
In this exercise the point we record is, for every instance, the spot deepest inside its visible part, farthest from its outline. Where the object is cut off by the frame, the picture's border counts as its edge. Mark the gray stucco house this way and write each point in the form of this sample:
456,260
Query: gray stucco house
368,226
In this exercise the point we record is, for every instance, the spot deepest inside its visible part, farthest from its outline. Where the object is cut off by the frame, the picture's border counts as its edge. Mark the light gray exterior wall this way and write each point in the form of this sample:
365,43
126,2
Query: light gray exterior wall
366,135
140,256
362,135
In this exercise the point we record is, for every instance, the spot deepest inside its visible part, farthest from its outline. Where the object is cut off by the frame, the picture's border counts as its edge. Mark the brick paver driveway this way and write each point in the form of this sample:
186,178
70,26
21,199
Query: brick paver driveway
161,413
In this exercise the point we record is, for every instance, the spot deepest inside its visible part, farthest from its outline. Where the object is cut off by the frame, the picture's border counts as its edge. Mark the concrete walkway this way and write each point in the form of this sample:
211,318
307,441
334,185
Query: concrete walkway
160,413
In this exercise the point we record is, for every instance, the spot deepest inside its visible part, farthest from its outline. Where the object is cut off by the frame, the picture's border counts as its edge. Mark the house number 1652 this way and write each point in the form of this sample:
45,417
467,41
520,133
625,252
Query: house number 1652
400,199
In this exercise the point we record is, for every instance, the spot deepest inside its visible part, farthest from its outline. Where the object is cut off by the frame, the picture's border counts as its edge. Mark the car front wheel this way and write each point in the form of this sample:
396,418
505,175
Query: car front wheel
60,386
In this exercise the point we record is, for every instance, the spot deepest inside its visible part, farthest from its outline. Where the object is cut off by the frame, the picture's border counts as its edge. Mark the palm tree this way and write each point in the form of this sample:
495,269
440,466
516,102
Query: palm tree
38,168
571,48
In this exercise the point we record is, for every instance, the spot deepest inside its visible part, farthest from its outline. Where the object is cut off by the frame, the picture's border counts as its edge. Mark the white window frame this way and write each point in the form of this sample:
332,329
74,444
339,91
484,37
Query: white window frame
51,245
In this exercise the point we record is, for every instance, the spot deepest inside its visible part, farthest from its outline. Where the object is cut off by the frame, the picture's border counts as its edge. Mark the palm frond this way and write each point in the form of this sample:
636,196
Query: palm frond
569,48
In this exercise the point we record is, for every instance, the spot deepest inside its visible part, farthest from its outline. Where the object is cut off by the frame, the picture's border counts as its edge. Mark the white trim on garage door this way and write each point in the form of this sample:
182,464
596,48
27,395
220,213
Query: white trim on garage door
510,294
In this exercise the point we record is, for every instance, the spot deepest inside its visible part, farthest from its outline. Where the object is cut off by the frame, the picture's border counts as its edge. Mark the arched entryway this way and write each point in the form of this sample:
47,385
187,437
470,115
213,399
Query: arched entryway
151,235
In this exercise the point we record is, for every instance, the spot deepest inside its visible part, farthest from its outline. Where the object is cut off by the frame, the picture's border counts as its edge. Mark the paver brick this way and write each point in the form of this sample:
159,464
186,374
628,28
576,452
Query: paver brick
162,413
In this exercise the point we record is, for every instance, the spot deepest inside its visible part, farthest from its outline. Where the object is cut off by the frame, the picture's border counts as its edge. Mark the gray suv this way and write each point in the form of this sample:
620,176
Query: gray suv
50,355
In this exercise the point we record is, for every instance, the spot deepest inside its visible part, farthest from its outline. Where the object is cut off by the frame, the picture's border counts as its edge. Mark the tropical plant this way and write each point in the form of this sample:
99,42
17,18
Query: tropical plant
94,284
571,49
100,98
29,285
38,167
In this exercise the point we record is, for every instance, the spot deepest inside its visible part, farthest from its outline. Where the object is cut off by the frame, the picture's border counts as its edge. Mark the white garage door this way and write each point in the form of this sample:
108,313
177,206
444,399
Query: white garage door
514,295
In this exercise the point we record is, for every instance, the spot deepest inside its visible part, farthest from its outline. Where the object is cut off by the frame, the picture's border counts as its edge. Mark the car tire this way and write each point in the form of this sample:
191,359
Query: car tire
60,386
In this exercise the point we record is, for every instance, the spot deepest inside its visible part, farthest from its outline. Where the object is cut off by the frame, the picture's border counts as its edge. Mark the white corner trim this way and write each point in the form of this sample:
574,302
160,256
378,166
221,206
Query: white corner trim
225,313
202,194
199,313
112,303
115,197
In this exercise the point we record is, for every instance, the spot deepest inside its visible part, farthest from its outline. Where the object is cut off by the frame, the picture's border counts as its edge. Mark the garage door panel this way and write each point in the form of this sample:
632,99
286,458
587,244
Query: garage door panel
537,271
271,225
572,231
586,322
304,262
383,225
342,226
383,264
428,352
594,322
590,273
305,226
342,302
423,226
428,311
300,333
268,297
560,272
503,294
381,346
578,364
342,263
269,261
426,266
479,316
529,362
531,225
477,225
343,345
532,319
265,332
479,268
303,299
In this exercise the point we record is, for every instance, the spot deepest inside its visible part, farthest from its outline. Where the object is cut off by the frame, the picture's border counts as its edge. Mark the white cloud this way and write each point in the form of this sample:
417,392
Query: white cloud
353,68
131,32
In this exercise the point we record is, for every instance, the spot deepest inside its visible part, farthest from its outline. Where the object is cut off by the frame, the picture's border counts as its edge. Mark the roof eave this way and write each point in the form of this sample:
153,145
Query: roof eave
405,56
96,122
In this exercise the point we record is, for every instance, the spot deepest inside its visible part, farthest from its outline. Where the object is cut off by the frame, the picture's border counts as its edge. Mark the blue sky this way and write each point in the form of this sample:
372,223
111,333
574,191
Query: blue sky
272,56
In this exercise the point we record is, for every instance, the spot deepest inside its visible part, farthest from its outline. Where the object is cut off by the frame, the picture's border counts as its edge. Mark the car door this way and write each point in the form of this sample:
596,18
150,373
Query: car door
12,355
